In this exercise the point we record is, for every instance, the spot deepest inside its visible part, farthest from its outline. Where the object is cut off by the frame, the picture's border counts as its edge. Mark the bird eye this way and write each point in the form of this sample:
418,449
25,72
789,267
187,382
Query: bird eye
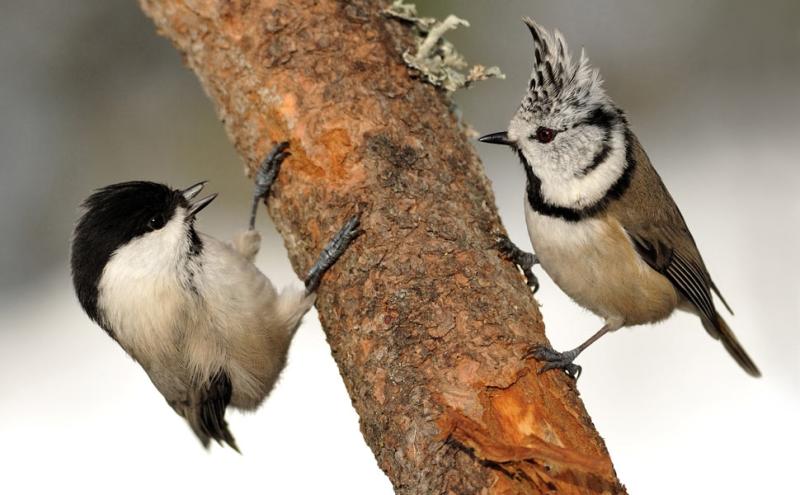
157,222
544,135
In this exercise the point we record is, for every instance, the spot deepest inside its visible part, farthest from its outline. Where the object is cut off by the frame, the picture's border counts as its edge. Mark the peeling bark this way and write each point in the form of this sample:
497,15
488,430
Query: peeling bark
428,324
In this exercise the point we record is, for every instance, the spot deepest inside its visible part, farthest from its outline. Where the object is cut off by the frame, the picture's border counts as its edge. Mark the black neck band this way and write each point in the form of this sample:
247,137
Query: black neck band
541,206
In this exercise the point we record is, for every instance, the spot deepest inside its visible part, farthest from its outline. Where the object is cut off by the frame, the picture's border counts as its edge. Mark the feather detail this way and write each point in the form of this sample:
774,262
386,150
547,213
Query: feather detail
557,83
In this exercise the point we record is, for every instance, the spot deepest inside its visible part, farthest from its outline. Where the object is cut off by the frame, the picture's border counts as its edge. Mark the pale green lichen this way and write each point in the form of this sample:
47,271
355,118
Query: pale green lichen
436,59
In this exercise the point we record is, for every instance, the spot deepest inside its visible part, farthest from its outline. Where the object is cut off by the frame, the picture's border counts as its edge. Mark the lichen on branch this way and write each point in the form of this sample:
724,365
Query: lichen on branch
436,59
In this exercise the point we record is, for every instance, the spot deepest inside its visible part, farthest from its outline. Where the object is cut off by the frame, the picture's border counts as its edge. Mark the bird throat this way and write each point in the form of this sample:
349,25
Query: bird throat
543,206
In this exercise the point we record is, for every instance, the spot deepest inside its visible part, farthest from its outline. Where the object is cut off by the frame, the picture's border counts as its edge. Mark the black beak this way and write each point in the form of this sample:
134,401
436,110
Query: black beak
192,191
496,138
198,205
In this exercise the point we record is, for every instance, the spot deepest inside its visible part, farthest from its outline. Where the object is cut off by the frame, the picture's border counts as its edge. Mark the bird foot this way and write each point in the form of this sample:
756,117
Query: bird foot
522,259
335,248
269,168
555,360
266,175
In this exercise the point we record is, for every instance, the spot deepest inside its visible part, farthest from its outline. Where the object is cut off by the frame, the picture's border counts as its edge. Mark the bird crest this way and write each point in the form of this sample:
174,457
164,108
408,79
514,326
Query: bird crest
559,87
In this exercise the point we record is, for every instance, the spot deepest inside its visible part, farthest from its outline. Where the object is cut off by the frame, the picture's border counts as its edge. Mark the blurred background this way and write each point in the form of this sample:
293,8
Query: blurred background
90,95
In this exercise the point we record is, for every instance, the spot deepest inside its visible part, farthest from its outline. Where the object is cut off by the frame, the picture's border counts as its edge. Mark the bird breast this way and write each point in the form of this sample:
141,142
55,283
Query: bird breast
143,297
594,262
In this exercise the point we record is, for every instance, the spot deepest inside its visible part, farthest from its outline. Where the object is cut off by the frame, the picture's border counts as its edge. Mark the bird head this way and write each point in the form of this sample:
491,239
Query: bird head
566,126
156,219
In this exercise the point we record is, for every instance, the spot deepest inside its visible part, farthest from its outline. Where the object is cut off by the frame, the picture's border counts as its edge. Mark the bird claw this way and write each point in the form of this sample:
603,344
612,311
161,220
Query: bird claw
522,259
269,168
555,360
531,280
332,251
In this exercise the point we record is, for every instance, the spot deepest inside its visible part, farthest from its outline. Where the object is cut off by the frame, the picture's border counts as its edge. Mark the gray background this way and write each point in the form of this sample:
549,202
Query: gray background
89,95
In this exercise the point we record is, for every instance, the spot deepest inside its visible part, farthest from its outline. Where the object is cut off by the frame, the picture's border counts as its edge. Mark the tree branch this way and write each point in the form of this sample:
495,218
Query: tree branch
427,322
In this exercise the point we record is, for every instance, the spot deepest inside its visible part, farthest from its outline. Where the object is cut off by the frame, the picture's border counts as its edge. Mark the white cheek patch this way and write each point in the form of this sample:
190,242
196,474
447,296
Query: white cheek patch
561,168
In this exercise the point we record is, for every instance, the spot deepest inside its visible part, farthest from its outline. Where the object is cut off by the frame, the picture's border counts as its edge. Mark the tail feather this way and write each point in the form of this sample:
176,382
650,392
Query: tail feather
204,409
207,427
723,332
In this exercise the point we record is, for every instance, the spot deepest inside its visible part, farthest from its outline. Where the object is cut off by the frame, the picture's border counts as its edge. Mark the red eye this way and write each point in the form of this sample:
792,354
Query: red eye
545,135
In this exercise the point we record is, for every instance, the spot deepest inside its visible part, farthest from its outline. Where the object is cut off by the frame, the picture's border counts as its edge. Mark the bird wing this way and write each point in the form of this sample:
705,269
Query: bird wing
684,269
659,233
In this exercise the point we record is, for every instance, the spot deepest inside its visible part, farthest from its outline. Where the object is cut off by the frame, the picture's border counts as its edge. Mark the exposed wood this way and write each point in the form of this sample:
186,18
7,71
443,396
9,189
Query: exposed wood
427,323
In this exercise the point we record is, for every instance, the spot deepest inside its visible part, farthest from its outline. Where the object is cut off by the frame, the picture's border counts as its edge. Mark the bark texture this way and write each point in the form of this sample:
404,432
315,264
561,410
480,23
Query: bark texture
427,323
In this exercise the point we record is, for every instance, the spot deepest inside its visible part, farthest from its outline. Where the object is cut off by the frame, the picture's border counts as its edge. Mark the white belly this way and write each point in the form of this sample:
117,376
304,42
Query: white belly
594,262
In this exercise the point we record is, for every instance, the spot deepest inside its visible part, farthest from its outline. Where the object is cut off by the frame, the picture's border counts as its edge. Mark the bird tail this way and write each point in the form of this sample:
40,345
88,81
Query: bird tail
206,429
723,332
205,410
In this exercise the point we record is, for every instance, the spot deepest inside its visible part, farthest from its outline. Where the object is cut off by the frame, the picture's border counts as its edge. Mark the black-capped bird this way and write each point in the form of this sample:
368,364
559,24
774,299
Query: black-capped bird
207,326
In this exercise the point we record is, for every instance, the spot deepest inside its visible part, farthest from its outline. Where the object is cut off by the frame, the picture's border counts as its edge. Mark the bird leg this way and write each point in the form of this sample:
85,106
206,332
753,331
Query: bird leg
331,252
248,245
522,259
564,360
266,175
248,242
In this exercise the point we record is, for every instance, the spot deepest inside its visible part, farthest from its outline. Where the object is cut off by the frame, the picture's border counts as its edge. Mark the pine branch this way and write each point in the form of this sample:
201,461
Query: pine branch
427,322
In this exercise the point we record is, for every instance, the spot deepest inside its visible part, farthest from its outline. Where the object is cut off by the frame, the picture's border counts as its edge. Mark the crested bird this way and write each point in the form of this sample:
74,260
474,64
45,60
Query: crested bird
601,222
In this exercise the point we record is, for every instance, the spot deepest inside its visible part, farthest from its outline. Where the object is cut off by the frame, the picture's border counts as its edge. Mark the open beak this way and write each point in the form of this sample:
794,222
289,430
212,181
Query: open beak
192,191
496,138
194,208
198,205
